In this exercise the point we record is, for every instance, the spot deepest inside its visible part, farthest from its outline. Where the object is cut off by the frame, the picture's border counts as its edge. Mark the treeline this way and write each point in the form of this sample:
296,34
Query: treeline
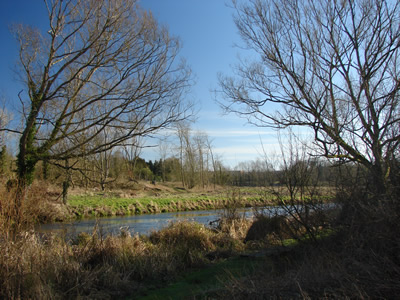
190,159
193,165
261,173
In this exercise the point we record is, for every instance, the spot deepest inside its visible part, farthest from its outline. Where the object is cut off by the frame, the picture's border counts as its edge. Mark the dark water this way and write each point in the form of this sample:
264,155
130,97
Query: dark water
141,224
145,224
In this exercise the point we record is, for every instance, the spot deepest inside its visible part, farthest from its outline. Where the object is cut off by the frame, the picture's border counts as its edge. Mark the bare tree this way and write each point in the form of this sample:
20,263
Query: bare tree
195,153
164,149
332,66
214,162
200,143
102,162
102,64
187,156
217,167
132,150
4,120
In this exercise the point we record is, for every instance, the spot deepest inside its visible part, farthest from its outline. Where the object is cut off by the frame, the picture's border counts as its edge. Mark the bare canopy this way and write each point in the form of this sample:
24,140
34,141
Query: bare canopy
100,64
332,66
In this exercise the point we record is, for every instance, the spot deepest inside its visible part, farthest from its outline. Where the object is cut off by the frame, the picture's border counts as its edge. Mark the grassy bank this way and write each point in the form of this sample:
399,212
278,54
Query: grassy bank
44,202
104,205
148,198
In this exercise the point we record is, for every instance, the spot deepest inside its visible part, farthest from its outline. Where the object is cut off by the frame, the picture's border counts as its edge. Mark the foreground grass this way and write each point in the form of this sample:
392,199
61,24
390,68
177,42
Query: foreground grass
205,282
188,260
34,267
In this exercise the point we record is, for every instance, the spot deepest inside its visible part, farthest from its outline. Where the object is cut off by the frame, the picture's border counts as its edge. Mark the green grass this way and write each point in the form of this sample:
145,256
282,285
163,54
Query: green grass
95,201
99,205
210,280
202,283
109,205
114,202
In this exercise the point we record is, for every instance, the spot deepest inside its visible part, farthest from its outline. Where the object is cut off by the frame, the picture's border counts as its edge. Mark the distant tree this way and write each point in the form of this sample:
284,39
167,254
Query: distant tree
132,149
186,156
102,162
3,158
118,165
214,162
145,173
332,66
163,149
150,165
172,169
5,117
196,157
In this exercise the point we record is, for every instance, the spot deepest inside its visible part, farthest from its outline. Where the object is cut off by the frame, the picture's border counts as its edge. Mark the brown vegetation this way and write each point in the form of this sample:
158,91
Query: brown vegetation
355,254
358,258
94,267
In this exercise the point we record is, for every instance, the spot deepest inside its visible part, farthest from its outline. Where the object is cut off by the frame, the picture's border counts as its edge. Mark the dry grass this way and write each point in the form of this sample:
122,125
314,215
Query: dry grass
38,204
361,260
91,266
94,266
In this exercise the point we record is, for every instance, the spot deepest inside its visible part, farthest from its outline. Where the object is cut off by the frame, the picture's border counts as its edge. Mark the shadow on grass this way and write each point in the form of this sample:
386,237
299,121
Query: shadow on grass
203,283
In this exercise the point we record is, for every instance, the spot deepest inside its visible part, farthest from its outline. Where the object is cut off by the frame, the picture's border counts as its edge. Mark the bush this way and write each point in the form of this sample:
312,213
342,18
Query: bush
188,241
267,228
359,259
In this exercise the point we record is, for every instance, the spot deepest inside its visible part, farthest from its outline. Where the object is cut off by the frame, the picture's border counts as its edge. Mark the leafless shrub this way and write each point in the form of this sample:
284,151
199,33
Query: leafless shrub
267,228
231,220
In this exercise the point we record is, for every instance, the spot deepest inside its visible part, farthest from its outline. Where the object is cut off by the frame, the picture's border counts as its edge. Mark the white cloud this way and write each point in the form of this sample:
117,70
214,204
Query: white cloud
237,133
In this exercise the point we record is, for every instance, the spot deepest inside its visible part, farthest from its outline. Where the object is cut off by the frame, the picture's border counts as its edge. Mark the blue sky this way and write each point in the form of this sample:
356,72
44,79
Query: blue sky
208,36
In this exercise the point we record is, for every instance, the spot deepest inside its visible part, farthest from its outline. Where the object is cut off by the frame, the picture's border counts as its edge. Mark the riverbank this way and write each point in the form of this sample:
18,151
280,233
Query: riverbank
189,261
95,266
105,206
147,198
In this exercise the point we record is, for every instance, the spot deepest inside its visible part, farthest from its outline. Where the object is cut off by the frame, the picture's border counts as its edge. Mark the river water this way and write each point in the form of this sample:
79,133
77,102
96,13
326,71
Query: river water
141,224
145,224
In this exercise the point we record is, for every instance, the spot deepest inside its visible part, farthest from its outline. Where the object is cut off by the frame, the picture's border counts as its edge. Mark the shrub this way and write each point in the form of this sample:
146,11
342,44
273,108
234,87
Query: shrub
189,241
265,227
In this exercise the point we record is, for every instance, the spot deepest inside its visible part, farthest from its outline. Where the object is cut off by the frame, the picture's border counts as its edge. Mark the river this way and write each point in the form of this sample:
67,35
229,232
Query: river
146,223
140,224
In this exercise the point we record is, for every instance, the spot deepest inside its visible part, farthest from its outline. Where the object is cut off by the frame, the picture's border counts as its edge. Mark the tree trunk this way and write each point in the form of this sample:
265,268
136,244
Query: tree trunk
26,163
66,183
25,167
65,192
45,169
378,183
